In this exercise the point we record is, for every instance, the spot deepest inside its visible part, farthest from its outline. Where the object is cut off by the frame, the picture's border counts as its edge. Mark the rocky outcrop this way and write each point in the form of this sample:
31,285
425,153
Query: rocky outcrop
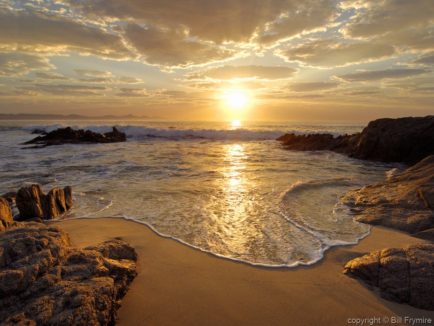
406,140
33,203
402,275
45,281
405,201
70,136
6,219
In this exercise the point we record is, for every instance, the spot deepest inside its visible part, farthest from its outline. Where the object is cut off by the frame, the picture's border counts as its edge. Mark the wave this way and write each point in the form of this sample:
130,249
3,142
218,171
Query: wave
328,235
143,132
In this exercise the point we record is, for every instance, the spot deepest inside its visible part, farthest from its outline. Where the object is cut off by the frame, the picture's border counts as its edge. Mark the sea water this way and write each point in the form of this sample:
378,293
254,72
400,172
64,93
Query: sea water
233,192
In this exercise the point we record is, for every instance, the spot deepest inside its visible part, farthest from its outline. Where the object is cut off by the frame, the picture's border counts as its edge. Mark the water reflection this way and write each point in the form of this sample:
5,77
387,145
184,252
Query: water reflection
235,158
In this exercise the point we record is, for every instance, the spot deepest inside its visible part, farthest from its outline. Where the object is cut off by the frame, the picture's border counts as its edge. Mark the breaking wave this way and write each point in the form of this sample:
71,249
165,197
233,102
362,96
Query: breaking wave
143,132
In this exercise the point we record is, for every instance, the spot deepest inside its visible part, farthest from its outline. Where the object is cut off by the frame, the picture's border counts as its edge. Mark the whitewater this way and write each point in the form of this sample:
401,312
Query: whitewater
232,192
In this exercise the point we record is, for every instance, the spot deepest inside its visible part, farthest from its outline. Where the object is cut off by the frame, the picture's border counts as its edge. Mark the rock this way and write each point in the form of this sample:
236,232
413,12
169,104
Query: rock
29,202
406,140
45,281
70,136
68,197
405,201
10,197
33,203
6,219
402,275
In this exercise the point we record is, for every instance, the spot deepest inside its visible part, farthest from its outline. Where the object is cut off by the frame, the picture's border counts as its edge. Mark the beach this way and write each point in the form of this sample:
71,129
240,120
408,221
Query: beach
179,285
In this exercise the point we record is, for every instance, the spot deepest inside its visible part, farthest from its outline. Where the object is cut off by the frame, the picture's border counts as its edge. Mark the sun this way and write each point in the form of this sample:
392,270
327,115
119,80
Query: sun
235,99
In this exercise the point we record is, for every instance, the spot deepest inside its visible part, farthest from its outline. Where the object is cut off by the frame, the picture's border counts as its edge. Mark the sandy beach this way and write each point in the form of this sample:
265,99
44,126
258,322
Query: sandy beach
178,285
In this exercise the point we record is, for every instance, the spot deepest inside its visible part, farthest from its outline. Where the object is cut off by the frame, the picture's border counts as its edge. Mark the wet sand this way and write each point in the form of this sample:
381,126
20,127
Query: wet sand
178,285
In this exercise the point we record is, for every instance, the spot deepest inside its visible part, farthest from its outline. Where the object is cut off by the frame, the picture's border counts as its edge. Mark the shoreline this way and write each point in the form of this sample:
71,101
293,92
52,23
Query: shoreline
178,284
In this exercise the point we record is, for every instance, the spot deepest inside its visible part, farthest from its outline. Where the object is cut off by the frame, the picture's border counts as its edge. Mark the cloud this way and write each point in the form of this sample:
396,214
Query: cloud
32,31
382,17
100,76
92,73
49,75
66,89
17,64
408,25
303,16
312,86
233,72
132,92
129,80
217,21
426,60
330,53
382,74
172,48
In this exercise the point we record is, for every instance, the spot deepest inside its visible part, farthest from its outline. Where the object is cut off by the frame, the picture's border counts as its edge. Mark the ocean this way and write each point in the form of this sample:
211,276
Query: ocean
229,189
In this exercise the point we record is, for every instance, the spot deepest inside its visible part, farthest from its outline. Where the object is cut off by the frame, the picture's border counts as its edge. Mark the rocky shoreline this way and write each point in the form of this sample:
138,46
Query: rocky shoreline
406,140
44,280
404,202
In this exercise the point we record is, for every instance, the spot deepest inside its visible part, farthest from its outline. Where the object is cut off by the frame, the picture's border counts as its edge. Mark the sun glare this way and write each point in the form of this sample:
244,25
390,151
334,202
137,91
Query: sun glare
236,99
235,123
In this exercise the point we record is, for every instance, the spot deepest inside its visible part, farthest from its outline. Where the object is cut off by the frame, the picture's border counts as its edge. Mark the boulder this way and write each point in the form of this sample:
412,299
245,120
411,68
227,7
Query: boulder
70,136
406,140
45,281
6,219
402,275
404,201
10,197
33,203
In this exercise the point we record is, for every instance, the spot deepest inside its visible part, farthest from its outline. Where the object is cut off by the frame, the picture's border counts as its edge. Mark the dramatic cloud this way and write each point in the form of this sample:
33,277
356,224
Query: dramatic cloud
385,16
382,74
233,72
312,86
218,21
17,64
172,48
329,53
304,16
408,25
32,31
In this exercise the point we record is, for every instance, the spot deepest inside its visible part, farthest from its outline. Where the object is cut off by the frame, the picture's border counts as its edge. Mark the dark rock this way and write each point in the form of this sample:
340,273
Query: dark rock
33,203
29,202
39,132
6,219
402,275
10,197
404,201
45,281
406,140
68,197
70,136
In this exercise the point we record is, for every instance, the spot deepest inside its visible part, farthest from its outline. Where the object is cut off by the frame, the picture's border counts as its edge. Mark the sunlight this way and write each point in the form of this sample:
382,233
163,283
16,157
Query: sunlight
235,123
236,99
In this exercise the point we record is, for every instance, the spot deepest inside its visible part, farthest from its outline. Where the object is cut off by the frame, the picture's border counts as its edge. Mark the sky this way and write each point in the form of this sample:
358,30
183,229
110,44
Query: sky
348,60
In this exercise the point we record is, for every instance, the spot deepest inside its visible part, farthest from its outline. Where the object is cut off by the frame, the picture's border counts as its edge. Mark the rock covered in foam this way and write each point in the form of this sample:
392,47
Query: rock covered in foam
402,275
404,201
45,281
33,203
71,136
